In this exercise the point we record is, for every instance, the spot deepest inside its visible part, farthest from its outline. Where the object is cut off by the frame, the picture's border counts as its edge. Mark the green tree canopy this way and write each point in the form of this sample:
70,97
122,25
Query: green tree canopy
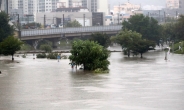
44,42
5,29
168,31
47,48
132,41
89,54
73,24
10,45
180,28
142,46
146,26
102,39
126,38
31,25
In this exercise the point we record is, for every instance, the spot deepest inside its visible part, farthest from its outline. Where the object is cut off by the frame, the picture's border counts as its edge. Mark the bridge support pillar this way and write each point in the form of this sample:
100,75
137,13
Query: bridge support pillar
35,43
55,42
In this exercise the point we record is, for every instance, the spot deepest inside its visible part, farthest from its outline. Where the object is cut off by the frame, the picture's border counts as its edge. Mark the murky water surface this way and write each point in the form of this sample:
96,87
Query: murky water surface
132,84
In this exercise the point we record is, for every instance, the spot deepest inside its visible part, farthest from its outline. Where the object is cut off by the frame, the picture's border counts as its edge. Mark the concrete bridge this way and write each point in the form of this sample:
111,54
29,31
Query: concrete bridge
67,32
33,36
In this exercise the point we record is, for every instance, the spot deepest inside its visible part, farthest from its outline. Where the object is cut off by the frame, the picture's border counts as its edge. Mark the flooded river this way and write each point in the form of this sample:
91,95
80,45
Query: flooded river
150,83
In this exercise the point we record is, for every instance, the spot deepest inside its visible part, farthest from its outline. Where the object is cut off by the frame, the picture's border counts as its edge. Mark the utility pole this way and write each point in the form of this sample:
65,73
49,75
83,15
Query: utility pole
63,20
159,15
7,6
44,21
176,14
28,19
84,19
164,17
118,13
0,3
19,27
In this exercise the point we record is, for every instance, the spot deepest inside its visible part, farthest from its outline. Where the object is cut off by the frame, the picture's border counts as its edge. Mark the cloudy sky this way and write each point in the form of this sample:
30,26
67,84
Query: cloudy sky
142,2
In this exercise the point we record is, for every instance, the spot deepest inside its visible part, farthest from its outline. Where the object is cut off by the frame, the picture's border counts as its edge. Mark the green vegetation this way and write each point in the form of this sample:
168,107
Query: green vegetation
44,42
132,41
31,26
100,70
146,26
89,54
26,47
168,32
42,55
178,48
52,56
5,29
47,48
10,45
73,24
142,46
102,39
179,28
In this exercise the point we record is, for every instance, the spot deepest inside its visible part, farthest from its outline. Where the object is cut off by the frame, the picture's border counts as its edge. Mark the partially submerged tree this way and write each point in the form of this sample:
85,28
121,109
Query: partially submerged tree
5,29
102,39
132,42
180,28
125,39
89,54
10,45
168,31
142,46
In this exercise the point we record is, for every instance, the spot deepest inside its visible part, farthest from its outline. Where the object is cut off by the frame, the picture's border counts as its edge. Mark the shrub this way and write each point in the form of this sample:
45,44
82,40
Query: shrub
64,57
100,70
24,56
43,55
47,48
52,56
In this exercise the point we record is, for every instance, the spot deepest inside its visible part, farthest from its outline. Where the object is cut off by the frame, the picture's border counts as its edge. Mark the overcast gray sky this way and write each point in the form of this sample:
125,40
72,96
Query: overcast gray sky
142,2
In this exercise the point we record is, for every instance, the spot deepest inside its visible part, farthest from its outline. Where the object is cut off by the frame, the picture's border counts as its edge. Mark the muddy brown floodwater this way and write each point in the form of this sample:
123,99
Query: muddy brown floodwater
150,83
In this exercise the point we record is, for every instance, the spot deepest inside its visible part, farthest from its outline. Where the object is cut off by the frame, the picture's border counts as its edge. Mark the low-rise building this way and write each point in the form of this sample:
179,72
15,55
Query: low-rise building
72,9
84,18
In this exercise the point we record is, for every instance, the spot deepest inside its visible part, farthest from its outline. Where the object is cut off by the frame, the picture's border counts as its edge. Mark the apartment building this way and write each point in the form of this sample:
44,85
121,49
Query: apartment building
173,4
92,5
33,6
2,5
47,5
127,8
181,4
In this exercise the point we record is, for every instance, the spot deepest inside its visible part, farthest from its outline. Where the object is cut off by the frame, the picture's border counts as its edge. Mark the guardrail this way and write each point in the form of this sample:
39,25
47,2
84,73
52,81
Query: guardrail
36,32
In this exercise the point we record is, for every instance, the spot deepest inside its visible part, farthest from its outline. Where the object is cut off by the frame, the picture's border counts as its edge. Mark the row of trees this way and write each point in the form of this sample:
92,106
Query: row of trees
132,42
139,35
8,44
173,31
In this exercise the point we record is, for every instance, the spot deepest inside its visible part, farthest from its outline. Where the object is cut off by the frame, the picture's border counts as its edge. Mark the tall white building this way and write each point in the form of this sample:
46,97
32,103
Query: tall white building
92,5
2,5
47,5
34,6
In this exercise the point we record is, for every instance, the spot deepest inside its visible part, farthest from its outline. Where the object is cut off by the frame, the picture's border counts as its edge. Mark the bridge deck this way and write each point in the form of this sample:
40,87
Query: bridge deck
37,32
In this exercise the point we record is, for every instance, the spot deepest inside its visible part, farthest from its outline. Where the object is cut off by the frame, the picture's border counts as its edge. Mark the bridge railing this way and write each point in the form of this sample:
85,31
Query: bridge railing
36,32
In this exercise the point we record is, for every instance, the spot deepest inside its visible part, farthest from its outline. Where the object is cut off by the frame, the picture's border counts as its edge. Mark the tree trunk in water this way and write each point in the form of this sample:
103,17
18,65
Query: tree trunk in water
84,66
141,55
128,53
12,58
